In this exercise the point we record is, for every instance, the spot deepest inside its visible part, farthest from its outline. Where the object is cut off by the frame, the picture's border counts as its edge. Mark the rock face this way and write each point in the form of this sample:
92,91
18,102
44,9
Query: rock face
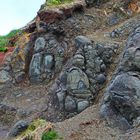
79,68
47,59
57,72
84,75
51,15
122,98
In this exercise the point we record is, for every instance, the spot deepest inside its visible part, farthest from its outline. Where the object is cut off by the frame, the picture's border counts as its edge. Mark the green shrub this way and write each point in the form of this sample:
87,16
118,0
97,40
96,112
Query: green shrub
13,33
4,40
53,2
3,49
51,135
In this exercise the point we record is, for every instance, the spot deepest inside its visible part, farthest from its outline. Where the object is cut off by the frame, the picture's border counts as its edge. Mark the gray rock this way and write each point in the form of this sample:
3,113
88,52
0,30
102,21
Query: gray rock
122,97
18,128
5,77
77,79
103,68
52,43
58,63
35,67
48,63
78,60
122,92
81,41
63,78
39,44
7,68
61,97
82,105
19,77
101,78
70,104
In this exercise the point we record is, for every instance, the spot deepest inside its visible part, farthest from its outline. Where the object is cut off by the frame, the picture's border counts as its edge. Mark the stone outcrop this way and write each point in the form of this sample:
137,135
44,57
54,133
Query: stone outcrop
85,74
58,72
48,58
50,15
122,98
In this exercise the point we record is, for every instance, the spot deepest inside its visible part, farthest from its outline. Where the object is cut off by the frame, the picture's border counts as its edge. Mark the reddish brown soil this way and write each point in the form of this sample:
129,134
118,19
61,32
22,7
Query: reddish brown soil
2,54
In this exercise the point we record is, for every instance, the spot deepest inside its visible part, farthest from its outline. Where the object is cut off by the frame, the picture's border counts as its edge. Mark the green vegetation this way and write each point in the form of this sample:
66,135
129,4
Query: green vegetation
35,124
28,133
56,2
3,49
51,135
4,40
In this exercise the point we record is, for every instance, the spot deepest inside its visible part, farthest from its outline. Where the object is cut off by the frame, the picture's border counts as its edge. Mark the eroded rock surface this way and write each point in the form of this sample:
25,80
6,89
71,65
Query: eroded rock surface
122,98
84,75
58,73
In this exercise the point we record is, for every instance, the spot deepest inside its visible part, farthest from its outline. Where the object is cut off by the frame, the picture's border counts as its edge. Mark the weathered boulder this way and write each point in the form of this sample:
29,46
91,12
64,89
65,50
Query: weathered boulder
18,128
101,78
70,104
81,41
35,68
122,98
106,52
77,80
80,82
82,105
39,44
78,61
125,95
48,63
47,60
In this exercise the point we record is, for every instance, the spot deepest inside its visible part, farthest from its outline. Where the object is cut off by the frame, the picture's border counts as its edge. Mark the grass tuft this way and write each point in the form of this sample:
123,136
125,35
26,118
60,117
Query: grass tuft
51,135
57,2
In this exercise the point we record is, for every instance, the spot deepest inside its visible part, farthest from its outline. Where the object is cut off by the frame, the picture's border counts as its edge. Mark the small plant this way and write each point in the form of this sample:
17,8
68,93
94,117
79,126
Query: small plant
35,124
51,135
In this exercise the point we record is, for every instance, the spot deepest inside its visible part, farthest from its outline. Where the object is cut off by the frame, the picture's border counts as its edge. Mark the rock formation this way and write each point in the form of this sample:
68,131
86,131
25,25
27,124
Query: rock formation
64,62
121,100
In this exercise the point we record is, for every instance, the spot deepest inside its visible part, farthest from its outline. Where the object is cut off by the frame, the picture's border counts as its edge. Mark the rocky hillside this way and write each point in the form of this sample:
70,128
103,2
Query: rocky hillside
75,65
